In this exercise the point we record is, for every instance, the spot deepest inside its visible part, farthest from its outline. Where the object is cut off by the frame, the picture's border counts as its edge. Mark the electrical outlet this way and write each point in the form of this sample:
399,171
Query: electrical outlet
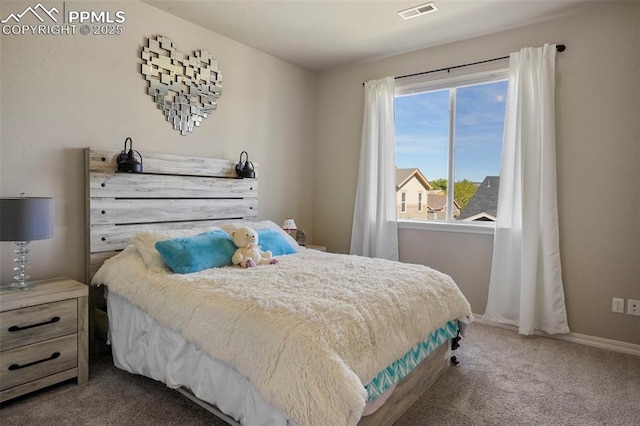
633,307
617,305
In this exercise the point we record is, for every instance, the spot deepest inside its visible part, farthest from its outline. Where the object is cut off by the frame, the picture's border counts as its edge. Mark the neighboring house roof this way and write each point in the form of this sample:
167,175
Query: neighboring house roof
437,199
484,203
404,175
481,217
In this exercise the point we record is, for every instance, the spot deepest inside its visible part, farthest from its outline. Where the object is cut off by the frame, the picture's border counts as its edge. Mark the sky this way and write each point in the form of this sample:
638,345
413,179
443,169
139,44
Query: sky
422,131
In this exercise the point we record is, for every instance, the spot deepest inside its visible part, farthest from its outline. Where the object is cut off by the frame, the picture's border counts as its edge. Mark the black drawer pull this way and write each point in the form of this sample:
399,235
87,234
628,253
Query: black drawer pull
16,328
18,366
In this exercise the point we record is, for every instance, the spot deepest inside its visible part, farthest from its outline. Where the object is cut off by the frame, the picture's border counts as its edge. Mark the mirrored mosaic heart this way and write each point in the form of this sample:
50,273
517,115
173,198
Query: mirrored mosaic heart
185,87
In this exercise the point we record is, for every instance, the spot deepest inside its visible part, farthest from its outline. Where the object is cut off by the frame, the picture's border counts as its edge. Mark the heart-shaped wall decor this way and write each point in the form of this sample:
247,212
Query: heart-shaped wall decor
185,87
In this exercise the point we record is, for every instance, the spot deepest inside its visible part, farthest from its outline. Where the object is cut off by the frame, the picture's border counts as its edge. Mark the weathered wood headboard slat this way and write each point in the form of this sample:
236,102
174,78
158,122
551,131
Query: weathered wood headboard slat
105,211
124,185
105,160
114,238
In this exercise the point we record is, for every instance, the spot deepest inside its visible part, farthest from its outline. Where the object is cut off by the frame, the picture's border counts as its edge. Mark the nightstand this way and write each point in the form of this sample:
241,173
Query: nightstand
319,248
43,336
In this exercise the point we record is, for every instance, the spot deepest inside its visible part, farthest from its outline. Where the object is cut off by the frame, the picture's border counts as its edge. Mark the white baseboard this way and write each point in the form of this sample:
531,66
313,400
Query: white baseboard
583,339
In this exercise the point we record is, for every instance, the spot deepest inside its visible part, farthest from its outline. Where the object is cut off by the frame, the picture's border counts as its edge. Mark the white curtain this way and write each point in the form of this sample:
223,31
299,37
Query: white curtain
375,229
526,278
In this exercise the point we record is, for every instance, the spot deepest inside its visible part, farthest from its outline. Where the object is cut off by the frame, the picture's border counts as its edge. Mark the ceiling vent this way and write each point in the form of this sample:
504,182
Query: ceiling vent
412,12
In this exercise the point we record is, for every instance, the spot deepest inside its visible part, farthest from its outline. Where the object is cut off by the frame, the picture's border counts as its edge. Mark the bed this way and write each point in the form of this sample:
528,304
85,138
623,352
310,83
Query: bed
319,338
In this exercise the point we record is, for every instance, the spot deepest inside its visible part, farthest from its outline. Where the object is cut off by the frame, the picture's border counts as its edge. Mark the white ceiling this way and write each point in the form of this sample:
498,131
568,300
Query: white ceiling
323,34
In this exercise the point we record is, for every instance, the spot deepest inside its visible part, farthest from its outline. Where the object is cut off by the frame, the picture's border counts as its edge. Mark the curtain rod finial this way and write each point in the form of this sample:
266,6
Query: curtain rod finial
561,48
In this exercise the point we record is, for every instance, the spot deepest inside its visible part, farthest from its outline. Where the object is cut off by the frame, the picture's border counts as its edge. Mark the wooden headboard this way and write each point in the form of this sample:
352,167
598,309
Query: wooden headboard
173,192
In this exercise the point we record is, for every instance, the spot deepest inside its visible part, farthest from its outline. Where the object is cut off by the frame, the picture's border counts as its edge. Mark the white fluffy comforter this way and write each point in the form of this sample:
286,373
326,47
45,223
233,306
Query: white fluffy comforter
308,332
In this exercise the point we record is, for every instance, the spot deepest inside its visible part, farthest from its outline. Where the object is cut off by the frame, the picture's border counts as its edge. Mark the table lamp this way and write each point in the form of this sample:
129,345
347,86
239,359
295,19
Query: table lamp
24,219
289,225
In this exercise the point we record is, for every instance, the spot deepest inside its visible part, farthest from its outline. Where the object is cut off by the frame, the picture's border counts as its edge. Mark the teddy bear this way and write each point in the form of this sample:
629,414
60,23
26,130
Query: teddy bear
248,253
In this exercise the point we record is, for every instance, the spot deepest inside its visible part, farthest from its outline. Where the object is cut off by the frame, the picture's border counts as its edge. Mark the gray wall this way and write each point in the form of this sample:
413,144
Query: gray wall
63,93
598,143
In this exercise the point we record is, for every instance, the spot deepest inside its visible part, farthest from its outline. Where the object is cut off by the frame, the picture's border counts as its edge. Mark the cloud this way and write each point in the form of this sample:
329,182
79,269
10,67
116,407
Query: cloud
409,143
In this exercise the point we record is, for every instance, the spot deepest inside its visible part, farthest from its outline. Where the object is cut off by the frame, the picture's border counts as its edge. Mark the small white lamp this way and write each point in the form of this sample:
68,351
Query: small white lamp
24,219
289,225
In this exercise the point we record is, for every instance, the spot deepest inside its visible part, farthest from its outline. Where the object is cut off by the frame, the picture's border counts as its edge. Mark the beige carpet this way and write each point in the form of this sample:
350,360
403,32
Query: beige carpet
502,379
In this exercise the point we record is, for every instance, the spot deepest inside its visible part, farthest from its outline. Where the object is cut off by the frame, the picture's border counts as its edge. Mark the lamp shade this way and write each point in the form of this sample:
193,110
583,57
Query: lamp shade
26,219
289,224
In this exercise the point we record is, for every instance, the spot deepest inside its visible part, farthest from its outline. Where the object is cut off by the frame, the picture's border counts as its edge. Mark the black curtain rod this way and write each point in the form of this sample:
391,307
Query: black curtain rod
559,48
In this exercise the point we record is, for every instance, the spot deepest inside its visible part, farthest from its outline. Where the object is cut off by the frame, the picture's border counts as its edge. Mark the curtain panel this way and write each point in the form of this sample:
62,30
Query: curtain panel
526,287
375,230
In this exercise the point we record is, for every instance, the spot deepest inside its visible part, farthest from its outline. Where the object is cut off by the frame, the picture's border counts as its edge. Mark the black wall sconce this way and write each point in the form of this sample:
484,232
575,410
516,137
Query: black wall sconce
126,160
244,169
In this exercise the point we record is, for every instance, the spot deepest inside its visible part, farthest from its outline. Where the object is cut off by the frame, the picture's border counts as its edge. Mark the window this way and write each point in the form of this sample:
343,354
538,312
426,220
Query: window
419,201
451,130
404,202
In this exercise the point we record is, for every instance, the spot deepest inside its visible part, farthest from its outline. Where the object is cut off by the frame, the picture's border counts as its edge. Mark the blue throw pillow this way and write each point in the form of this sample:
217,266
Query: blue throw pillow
186,255
272,240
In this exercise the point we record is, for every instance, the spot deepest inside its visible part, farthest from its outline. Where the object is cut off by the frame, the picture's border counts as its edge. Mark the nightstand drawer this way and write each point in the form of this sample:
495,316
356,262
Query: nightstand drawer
35,361
21,327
